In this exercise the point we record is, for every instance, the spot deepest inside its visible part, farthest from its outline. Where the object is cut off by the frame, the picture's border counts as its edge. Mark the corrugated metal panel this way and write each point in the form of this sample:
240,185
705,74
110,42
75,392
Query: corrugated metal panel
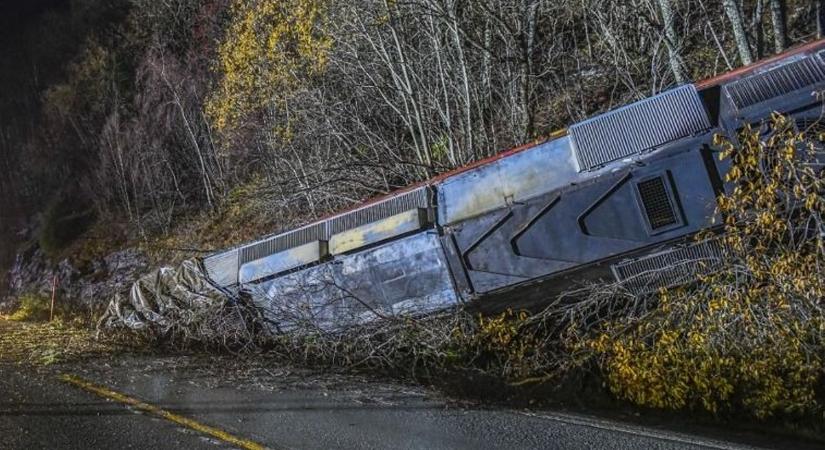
284,241
640,126
417,198
379,231
777,81
322,231
223,267
670,267
280,262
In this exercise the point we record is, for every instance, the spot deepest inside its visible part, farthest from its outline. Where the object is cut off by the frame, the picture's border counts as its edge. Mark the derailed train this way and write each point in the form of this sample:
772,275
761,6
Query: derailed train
613,198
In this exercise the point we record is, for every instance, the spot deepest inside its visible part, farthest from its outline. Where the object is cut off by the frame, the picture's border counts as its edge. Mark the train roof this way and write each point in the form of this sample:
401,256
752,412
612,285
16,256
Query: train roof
702,85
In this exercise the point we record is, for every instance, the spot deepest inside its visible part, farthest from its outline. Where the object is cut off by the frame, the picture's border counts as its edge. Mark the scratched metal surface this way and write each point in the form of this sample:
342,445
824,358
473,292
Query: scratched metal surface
283,261
583,224
284,241
394,204
322,230
545,168
378,231
408,276
541,169
537,233
222,267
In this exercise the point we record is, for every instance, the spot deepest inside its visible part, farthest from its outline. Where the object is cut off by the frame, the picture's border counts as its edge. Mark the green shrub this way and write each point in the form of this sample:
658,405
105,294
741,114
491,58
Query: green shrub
33,308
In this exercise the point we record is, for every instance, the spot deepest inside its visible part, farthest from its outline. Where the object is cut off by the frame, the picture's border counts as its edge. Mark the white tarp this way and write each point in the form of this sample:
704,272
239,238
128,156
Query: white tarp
165,298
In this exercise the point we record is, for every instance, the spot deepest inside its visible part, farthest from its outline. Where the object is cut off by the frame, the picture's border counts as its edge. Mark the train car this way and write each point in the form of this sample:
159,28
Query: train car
617,197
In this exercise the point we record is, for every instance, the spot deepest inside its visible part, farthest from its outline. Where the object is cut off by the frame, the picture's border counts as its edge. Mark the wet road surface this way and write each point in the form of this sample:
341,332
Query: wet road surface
38,410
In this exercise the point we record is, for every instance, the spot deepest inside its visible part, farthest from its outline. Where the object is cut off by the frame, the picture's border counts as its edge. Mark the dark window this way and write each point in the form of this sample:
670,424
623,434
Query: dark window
657,203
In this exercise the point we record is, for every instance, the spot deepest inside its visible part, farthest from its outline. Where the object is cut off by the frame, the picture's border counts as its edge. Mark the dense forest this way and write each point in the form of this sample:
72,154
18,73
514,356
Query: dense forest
124,119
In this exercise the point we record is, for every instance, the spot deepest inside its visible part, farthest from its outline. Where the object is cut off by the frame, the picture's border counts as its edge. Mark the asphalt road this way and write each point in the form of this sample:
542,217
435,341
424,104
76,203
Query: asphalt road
38,412
289,410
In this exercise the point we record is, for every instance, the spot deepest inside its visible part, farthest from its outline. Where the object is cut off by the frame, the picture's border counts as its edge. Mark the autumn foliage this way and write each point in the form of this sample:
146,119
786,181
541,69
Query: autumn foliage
199,124
748,337
270,49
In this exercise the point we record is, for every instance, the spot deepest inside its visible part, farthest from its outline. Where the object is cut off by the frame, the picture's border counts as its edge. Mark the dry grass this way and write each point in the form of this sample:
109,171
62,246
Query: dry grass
45,343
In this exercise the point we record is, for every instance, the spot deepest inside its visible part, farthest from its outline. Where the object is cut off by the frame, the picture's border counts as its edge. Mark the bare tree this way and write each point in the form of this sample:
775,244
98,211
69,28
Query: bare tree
780,30
756,28
410,89
739,34
820,18
676,64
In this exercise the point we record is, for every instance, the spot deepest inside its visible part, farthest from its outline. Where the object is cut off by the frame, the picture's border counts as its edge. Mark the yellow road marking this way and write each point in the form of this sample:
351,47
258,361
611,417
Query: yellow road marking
162,413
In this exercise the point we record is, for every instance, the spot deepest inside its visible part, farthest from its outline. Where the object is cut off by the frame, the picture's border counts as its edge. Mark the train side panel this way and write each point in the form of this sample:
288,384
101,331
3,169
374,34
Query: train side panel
603,194
407,276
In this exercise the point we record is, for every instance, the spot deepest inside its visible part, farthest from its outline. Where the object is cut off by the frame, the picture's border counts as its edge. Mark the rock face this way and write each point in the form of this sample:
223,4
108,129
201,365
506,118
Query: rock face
89,285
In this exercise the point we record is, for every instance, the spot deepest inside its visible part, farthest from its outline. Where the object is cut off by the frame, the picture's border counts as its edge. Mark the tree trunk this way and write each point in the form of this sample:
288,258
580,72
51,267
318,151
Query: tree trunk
465,86
756,30
739,34
820,18
676,64
780,30
526,68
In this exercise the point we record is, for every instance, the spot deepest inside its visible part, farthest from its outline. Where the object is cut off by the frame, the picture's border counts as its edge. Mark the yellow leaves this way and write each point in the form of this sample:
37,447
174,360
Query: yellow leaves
501,330
271,49
681,367
811,201
736,339
599,345
733,174
506,338
47,343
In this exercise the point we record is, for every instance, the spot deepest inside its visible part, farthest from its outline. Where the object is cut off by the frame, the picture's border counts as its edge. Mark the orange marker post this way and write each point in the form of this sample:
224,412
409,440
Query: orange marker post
54,293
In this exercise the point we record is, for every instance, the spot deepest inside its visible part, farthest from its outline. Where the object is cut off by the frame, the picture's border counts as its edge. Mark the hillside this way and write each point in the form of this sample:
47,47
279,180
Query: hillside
137,133
180,127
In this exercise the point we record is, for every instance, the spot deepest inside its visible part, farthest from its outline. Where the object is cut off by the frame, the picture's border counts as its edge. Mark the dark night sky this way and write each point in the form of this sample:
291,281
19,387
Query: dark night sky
16,14
26,8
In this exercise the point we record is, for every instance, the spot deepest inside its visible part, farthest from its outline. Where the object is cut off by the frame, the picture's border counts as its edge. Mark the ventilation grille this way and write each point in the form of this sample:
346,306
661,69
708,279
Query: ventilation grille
284,241
637,127
418,198
775,82
656,200
669,268
322,231
223,268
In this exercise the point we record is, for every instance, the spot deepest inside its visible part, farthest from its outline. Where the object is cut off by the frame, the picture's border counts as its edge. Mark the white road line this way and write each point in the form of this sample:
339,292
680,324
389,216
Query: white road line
604,424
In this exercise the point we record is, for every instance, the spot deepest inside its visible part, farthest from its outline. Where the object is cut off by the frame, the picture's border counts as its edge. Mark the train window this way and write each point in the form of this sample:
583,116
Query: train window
657,203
